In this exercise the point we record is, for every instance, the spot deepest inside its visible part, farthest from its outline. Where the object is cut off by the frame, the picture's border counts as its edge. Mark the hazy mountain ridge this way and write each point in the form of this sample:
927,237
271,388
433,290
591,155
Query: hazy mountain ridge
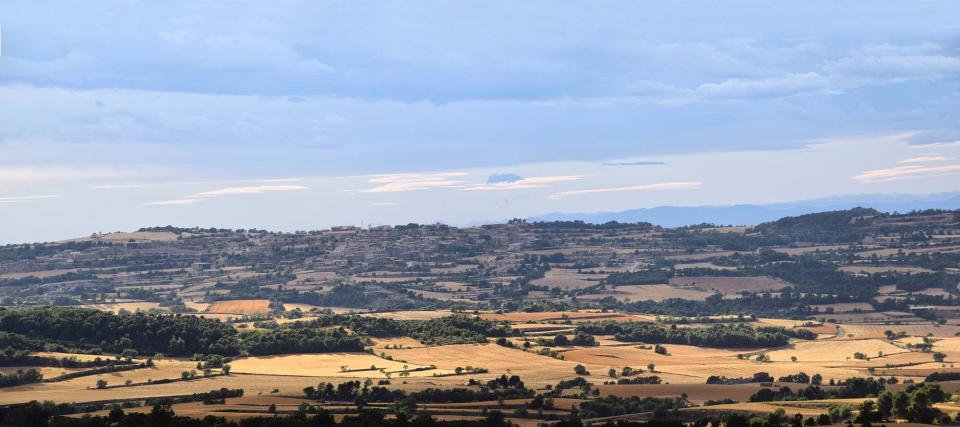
748,214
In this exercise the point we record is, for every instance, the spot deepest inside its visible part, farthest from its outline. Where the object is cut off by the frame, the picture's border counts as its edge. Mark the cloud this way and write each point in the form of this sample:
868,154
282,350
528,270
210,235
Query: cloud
764,88
678,185
33,174
20,199
229,191
922,159
937,144
636,163
257,189
523,183
185,183
906,172
382,204
394,183
178,202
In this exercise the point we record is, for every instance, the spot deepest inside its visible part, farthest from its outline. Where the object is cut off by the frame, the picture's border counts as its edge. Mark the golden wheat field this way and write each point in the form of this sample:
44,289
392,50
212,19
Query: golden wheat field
247,306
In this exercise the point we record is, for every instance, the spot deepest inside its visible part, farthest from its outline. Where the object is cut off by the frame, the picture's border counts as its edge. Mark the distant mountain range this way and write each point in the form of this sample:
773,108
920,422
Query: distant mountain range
675,216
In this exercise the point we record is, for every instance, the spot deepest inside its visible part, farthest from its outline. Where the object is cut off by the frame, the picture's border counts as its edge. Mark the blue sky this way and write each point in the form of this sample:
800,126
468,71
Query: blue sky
302,114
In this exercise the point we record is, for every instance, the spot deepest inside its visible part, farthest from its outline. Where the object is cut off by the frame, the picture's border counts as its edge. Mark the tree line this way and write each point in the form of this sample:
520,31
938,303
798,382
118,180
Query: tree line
719,335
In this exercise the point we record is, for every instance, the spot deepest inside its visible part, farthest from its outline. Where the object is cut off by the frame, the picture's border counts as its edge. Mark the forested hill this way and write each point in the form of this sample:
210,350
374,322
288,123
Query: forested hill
847,226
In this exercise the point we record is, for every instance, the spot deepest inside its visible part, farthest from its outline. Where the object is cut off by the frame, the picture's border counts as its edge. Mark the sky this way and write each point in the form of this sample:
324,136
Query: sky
299,115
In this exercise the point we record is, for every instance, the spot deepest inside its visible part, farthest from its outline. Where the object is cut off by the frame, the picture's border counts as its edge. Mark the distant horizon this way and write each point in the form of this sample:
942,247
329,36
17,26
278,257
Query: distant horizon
801,209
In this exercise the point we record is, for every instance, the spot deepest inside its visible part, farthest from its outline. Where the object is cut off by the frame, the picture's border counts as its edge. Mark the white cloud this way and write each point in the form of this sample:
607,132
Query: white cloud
532,182
922,159
186,183
906,172
177,202
770,87
394,183
19,199
31,174
937,144
229,191
257,189
382,204
677,185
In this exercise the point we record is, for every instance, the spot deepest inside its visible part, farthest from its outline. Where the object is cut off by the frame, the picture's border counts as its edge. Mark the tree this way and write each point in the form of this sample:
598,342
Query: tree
581,370
612,372
560,339
816,379
885,405
867,413
650,367
901,405
116,414
939,357
226,369
101,384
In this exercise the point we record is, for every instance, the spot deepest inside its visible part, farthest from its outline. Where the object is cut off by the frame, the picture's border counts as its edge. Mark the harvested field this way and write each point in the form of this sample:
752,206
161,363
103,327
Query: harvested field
697,393
150,236
38,274
833,350
567,279
692,365
323,365
410,314
843,307
763,408
315,276
809,249
199,306
240,306
866,317
698,256
917,250
650,292
730,285
303,307
81,389
545,316
917,330
455,269
536,369
128,306
872,269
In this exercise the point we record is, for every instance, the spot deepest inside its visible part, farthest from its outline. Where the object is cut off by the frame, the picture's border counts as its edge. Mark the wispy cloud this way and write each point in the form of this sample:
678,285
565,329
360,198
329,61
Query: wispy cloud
677,185
33,174
937,144
906,172
394,183
20,199
532,182
764,88
187,183
177,202
382,204
229,191
636,163
922,159
256,189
